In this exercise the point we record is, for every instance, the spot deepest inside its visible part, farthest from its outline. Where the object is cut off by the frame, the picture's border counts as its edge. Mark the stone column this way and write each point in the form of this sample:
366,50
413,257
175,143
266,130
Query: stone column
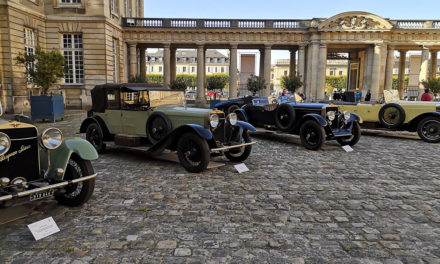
301,65
375,73
423,75
133,60
166,66
261,73
389,69
173,64
367,70
143,69
322,65
308,73
401,78
433,72
314,70
292,65
266,75
201,99
233,72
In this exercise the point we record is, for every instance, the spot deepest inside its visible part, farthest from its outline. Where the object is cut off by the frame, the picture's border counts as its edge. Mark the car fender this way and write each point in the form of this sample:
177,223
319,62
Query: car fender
226,104
321,120
60,156
415,121
354,117
98,120
241,112
246,125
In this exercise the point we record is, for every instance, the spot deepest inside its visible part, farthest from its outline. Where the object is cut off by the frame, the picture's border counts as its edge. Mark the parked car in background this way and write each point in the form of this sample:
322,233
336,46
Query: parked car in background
423,117
313,122
230,106
36,166
157,118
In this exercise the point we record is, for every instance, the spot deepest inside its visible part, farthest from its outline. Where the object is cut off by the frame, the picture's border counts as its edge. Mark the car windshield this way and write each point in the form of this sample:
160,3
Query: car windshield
158,98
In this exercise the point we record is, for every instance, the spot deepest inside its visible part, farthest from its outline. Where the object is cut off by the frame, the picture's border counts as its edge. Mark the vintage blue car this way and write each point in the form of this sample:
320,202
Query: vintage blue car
231,105
313,122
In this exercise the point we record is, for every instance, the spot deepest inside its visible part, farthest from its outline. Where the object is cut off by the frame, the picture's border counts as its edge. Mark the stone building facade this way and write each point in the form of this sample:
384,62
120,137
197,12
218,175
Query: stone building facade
88,33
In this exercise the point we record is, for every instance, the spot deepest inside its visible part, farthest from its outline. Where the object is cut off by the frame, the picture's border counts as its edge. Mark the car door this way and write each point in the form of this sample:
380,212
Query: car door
112,115
134,114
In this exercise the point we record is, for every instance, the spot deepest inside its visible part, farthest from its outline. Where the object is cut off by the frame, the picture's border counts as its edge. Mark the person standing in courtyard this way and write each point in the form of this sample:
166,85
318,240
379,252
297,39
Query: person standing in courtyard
368,96
358,95
426,96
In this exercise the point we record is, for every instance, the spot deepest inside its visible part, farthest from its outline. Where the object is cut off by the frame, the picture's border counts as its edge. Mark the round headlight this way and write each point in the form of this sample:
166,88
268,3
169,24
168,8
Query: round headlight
51,138
331,115
213,120
232,118
5,143
347,114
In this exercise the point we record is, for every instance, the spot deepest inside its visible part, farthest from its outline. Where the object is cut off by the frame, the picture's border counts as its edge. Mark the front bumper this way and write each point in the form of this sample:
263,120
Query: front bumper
232,147
45,188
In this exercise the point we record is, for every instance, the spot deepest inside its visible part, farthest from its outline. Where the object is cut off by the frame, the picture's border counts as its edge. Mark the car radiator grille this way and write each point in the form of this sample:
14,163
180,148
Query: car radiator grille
219,132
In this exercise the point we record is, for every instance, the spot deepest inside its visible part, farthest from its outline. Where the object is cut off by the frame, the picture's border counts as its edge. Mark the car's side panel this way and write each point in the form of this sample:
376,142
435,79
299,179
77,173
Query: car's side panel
135,122
113,120
368,112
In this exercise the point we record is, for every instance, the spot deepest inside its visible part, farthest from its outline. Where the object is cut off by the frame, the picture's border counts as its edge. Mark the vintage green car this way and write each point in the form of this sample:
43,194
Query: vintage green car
36,166
156,118
423,117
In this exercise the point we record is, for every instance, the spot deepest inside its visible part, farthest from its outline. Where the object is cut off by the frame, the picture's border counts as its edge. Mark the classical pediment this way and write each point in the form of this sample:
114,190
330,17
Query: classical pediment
355,21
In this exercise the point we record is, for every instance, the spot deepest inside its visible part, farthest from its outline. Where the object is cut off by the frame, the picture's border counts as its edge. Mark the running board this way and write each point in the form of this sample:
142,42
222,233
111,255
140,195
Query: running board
235,146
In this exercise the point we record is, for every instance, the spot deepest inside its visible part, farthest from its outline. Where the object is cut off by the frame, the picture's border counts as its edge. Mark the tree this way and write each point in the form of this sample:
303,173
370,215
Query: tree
179,83
216,82
255,84
432,84
291,84
45,68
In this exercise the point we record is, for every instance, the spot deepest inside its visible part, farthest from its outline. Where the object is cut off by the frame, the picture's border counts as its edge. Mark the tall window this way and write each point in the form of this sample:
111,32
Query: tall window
29,49
112,6
74,59
115,63
127,8
223,69
160,68
70,1
184,69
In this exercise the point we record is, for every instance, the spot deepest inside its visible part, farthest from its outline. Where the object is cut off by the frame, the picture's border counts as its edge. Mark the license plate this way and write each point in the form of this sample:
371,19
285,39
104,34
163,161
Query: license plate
41,195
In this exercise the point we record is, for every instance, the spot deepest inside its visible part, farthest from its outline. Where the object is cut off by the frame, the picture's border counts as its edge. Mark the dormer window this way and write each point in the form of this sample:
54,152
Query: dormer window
70,1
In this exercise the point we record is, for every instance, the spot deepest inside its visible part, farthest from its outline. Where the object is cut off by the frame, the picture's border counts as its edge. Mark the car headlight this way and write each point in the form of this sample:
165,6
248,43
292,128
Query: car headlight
232,118
213,120
331,115
347,114
51,138
5,143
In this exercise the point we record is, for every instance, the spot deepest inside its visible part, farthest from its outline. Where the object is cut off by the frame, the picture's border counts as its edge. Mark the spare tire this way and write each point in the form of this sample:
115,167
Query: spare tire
391,115
158,126
285,117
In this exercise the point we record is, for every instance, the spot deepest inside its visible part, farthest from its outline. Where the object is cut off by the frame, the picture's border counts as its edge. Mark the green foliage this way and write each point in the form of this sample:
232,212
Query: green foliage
291,84
255,83
47,69
432,84
179,83
190,79
154,79
216,81
338,82
396,82
137,79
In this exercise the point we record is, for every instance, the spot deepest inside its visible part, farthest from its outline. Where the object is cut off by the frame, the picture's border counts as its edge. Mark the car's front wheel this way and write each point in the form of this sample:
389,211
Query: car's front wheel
78,193
242,153
193,152
312,135
354,138
429,129
95,136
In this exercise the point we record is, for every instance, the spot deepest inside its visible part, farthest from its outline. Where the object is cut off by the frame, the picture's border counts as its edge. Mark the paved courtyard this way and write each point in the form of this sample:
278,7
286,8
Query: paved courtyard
378,204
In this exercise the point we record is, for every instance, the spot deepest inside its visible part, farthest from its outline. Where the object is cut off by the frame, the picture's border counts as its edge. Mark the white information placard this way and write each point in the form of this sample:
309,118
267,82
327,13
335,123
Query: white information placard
43,228
241,168
347,148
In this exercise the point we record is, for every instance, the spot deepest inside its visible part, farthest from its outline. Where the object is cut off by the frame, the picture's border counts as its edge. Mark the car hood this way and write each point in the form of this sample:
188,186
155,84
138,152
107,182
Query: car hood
308,105
419,103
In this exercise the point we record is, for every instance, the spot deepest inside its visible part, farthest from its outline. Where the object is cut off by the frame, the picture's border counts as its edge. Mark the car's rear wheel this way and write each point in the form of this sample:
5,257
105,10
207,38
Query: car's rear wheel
391,115
312,135
354,138
158,126
285,117
242,153
78,193
429,129
95,136
193,152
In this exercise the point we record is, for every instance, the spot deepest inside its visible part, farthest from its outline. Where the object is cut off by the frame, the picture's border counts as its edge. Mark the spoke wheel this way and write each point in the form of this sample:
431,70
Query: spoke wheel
312,135
391,115
242,153
95,136
193,152
79,193
354,138
429,129
158,127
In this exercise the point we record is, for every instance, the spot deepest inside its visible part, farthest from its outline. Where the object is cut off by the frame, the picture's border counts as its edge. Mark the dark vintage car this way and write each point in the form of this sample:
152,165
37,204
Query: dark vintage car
156,118
36,166
231,105
313,122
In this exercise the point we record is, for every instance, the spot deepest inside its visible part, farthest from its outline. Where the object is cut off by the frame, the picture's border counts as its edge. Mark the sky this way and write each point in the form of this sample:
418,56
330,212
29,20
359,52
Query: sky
285,9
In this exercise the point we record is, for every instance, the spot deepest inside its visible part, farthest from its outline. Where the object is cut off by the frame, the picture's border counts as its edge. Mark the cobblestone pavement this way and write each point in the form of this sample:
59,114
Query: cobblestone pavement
378,204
